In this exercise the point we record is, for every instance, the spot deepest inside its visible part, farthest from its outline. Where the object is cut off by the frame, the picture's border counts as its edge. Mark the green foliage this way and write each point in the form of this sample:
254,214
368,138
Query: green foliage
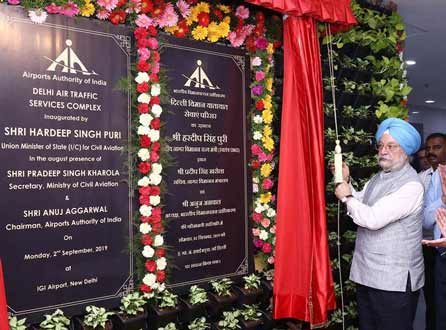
230,320
96,317
384,111
55,321
250,312
167,299
199,323
222,287
169,326
252,282
17,324
132,304
197,295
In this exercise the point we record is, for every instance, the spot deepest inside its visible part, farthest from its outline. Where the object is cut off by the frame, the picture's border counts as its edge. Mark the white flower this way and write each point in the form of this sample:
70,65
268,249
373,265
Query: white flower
266,206
157,168
148,251
148,296
162,287
155,179
155,90
258,119
144,154
263,235
259,208
37,16
256,61
145,228
271,260
157,110
145,210
158,240
271,213
257,135
144,98
142,130
149,279
155,200
145,119
144,182
142,77
255,188
161,263
255,180
154,135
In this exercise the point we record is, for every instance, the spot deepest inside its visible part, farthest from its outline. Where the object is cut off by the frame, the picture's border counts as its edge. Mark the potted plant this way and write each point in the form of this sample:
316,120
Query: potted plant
251,291
222,296
96,318
164,311
194,305
132,315
55,321
199,323
16,324
230,321
168,326
251,316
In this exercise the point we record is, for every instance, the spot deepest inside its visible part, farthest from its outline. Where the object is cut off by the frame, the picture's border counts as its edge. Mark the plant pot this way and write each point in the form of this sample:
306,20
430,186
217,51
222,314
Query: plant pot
248,297
267,287
268,322
159,317
218,304
131,322
79,325
251,325
190,312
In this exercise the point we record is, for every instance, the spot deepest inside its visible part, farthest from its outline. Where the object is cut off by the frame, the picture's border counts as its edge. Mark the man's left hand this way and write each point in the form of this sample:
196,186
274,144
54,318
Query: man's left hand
441,242
342,190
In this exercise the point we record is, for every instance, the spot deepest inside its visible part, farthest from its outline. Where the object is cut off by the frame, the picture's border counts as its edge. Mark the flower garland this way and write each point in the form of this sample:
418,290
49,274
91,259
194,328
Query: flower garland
200,21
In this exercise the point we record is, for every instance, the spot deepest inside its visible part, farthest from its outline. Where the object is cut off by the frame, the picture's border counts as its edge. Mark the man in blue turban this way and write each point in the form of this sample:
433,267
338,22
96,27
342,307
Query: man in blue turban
388,262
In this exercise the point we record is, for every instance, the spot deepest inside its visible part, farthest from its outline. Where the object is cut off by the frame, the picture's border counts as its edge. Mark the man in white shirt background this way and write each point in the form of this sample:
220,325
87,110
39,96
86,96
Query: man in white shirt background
388,262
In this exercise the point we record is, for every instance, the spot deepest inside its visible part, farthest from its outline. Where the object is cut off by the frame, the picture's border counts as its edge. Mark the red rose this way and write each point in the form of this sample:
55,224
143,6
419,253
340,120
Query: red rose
142,88
182,30
260,105
145,288
240,23
160,252
145,190
157,227
155,191
141,43
144,141
146,240
155,56
203,19
277,44
260,17
143,66
154,100
155,124
152,30
192,2
144,167
150,266
144,200
156,211
143,108
255,164
154,157
154,77
156,145
117,17
218,13
250,44
140,33
159,10
144,219
121,3
160,276
258,31
146,6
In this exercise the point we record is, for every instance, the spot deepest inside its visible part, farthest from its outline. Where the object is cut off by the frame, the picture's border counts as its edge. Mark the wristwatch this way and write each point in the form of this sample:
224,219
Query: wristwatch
345,198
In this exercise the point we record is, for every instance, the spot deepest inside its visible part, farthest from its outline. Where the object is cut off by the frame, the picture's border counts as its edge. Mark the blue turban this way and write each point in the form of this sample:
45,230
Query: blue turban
407,136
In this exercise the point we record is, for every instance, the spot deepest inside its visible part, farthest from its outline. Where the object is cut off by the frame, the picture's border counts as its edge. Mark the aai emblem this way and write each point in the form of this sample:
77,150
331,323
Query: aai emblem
199,79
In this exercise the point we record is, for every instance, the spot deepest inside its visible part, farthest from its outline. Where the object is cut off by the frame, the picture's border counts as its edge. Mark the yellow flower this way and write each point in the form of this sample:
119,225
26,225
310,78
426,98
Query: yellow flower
267,102
268,144
269,84
265,170
190,20
171,29
227,19
265,198
224,9
202,6
213,32
87,9
267,116
200,33
270,49
267,131
223,29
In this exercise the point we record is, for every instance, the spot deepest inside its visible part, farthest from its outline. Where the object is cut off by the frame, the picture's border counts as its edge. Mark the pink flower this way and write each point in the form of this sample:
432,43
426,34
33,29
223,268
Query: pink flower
235,39
52,9
264,157
169,17
267,184
242,12
144,54
256,231
260,75
102,14
143,21
152,43
14,2
261,43
266,248
255,149
184,8
271,260
273,198
265,222
70,9
257,217
155,68
272,230
134,6
258,243
108,4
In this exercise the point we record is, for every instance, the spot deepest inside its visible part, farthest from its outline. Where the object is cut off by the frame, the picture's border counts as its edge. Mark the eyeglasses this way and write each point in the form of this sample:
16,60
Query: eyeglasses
390,147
